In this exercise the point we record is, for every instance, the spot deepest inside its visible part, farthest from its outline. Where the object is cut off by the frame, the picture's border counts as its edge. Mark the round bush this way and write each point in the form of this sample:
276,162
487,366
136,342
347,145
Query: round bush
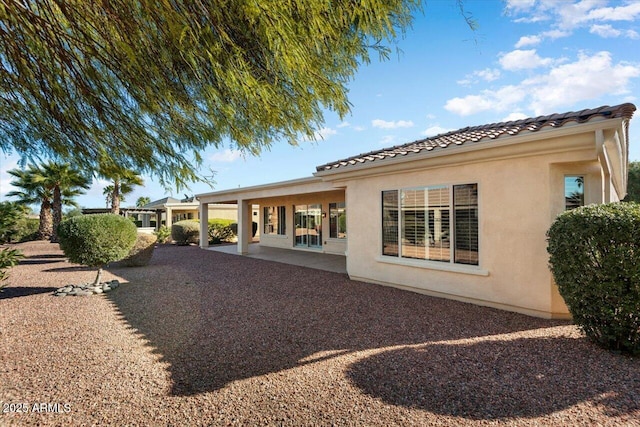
96,240
595,260
185,232
220,231
142,251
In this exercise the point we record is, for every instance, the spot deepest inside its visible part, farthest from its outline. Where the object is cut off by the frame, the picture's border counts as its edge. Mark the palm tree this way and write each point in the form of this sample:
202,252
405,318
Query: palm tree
107,192
142,201
51,186
32,191
123,182
65,183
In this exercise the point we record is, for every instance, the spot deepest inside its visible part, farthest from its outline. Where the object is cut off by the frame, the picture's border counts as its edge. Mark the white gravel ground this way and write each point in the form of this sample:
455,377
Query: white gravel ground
203,338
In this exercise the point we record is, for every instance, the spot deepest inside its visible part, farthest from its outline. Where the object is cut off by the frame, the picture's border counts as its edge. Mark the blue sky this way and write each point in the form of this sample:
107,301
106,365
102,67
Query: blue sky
527,58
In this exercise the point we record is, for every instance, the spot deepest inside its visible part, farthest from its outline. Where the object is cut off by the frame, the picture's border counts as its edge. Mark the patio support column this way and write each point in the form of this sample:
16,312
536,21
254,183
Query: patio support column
168,220
204,225
244,226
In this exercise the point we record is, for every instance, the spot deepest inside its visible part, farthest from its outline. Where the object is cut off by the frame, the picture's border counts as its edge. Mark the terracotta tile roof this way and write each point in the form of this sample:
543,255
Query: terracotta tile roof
485,132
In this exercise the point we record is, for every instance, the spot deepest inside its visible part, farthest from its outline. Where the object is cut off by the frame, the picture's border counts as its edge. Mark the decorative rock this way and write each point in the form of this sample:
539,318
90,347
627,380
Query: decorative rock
86,290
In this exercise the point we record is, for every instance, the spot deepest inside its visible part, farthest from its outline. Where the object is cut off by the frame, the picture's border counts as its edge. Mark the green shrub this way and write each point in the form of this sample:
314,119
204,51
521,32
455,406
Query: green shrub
185,232
218,232
12,219
142,251
595,260
96,240
163,234
28,230
8,258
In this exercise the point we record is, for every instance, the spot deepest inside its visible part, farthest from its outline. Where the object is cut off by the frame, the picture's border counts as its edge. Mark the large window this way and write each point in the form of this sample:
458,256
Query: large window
274,220
337,221
437,223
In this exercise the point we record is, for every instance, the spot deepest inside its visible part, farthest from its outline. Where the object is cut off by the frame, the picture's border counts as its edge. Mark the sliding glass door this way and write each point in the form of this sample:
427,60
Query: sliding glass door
308,223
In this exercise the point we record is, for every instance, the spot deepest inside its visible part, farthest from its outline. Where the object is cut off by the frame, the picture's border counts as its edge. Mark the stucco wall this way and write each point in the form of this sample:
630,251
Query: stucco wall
518,199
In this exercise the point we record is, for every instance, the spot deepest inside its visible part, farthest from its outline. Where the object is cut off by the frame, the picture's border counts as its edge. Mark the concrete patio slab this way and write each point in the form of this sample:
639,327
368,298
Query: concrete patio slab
311,259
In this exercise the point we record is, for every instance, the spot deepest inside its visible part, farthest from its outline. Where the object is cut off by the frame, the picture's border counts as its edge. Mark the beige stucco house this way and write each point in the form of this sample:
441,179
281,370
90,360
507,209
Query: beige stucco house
461,215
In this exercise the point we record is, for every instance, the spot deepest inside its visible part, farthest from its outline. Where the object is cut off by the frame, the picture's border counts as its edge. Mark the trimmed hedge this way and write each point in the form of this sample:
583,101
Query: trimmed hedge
142,251
595,260
96,240
185,232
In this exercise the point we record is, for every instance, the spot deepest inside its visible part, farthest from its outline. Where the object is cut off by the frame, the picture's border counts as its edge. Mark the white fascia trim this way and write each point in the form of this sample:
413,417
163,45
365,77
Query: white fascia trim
279,184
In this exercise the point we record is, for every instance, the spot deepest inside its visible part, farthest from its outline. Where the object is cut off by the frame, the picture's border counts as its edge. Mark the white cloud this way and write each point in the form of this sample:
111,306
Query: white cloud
359,128
514,116
383,124
435,130
606,31
468,105
226,156
523,60
567,16
619,13
520,5
324,133
555,34
528,41
588,77
487,75
344,124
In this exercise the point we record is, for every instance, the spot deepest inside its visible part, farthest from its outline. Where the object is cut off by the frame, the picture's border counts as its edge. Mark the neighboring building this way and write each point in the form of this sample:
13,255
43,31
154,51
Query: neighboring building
461,215
168,210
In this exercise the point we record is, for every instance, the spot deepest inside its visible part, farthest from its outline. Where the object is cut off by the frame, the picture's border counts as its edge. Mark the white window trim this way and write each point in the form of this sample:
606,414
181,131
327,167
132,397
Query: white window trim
434,265
450,265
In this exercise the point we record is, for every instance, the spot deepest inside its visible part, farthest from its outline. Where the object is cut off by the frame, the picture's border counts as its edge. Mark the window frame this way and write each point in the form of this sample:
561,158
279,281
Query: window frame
575,176
278,229
337,210
396,257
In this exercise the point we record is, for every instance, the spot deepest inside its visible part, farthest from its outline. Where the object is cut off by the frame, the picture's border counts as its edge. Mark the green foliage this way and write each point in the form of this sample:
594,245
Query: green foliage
595,260
633,183
142,251
163,234
152,84
51,185
11,216
185,232
220,231
96,240
143,200
8,258
123,182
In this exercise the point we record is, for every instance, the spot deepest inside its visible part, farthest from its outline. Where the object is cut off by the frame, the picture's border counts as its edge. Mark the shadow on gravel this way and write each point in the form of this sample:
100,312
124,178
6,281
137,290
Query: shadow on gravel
21,291
70,269
41,261
501,379
217,318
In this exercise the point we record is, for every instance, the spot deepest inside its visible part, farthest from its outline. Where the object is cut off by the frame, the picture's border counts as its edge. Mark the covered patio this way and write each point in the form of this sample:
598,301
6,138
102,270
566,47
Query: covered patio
326,262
